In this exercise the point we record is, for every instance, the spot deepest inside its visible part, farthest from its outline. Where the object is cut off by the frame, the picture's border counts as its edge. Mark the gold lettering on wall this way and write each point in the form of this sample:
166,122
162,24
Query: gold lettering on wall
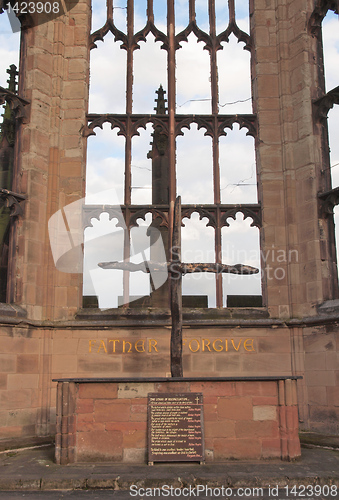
114,341
236,348
124,342
152,343
249,342
140,346
120,346
220,347
207,345
197,345
91,344
102,346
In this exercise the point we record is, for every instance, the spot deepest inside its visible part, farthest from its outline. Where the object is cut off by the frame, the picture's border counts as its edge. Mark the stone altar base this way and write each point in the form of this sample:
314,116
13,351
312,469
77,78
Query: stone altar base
244,417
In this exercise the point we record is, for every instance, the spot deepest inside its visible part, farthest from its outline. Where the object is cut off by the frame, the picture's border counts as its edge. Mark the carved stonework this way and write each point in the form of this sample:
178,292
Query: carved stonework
320,10
94,211
109,26
17,104
124,123
102,32
325,103
156,214
204,213
234,28
14,201
253,212
328,201
216,128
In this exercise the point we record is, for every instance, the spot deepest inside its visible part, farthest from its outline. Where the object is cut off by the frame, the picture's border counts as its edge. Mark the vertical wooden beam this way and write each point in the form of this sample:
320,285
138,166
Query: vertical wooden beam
176,295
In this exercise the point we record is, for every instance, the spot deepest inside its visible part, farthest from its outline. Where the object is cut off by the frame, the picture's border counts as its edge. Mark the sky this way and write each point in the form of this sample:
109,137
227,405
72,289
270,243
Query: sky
194,150
105,165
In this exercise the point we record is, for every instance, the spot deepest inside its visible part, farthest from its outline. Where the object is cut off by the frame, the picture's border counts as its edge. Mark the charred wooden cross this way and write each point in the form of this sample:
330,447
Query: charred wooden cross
176,269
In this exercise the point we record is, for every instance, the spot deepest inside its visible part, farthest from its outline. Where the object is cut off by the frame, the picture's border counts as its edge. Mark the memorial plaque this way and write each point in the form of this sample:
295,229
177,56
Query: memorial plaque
175,423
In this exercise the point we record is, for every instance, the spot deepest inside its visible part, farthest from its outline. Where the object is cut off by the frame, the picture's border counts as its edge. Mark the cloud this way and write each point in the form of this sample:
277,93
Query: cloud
105,165
331,50
194,150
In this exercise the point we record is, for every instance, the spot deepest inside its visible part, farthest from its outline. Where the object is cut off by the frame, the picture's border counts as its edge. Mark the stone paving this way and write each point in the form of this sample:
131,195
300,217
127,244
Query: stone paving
34,469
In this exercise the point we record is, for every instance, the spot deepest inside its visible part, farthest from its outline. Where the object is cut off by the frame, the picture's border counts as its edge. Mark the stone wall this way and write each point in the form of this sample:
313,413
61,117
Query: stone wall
322,378
31,357
54,76
51,343
289,157
242,419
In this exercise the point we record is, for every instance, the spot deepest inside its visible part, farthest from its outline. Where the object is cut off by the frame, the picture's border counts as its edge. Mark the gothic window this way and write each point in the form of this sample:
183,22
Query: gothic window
324,26
9,200
196,141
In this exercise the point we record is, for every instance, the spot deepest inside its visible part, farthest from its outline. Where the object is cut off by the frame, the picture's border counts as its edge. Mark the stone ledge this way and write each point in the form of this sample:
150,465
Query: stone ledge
142,380
22,442
329,307
189,315
35,470
11,311
319,440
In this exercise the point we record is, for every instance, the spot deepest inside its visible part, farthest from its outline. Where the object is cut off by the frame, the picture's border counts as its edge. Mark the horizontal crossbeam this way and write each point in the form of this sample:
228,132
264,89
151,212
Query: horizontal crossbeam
180,267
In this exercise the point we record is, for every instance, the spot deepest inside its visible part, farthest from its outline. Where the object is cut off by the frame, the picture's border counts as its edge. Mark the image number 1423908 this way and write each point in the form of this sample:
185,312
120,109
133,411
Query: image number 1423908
29,13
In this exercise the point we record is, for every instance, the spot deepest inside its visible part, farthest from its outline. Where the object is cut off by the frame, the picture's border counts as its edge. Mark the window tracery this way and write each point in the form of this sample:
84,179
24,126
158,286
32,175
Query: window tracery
169,122
328,98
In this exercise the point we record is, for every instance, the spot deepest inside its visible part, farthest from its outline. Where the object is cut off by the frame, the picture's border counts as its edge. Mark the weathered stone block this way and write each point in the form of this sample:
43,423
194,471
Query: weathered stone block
221,429
99,445
28,363
106,410
264,413
134,390
235,408
250,429
236,448
97,391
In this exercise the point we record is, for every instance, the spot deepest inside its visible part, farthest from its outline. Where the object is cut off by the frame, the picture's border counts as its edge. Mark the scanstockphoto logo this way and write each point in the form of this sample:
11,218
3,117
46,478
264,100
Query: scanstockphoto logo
29,13
73,253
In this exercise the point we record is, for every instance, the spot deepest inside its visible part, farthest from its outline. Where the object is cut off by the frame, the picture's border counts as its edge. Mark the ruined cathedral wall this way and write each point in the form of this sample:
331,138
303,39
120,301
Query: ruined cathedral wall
289,157
50,343
31,357
54,78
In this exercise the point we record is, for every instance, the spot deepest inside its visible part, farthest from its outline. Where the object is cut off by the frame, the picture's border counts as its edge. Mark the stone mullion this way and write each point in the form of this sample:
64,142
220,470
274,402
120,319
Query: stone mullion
150,12
171,112
109,7
321,108
218,259
128,143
